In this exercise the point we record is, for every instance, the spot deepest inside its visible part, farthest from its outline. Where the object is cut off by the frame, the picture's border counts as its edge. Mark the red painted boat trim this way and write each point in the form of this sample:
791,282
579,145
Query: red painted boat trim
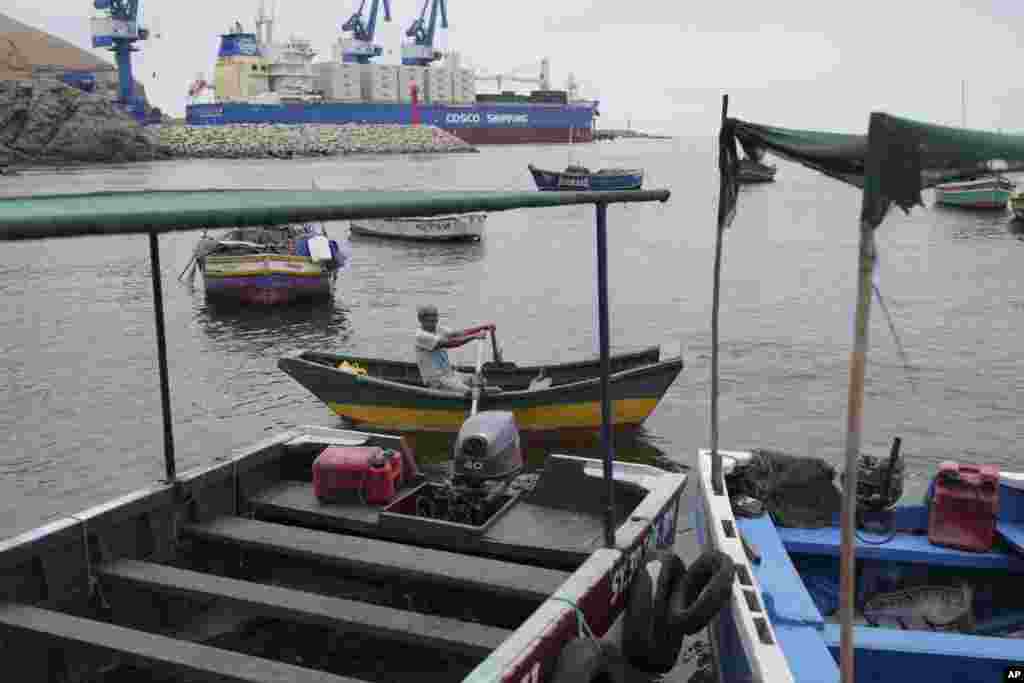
514,135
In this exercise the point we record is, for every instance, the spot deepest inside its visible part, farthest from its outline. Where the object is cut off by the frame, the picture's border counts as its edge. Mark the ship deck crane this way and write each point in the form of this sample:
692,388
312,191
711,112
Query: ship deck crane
360,48
119,30
543,80
421,51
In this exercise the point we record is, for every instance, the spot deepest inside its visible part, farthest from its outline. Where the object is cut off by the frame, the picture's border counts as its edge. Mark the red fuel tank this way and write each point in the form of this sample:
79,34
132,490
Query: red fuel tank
367,473
964,506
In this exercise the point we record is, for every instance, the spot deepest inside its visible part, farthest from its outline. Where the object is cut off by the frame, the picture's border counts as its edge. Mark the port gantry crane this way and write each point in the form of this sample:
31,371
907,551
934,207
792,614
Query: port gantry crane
118,29
360,48
421,51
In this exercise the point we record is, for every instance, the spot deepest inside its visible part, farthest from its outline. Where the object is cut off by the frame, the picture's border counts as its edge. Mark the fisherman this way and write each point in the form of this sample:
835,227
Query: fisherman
432,343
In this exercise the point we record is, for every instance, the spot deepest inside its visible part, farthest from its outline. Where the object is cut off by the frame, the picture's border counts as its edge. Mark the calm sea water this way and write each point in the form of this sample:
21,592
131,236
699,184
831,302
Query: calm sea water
80,414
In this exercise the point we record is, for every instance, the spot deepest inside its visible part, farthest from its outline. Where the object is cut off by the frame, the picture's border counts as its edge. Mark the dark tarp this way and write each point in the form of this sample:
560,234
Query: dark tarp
892,163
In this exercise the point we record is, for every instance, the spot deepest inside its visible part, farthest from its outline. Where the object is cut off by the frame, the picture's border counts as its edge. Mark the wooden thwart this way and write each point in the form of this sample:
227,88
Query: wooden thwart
149,649
385,622
384,559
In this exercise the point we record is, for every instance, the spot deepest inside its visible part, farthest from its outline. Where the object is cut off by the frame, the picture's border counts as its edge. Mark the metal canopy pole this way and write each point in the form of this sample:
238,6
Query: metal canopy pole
161,348
873,209
854,420
716,457
606,407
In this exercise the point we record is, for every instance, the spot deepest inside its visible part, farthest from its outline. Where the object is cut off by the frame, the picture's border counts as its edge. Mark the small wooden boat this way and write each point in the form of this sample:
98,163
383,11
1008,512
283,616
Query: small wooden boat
1017,204
391,396
580,178
984,193
238,572
257,569
466,227
269,264
755,172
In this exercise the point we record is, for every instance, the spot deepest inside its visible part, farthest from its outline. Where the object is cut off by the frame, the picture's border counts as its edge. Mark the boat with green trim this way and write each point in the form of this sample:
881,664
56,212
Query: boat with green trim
390,395
982,193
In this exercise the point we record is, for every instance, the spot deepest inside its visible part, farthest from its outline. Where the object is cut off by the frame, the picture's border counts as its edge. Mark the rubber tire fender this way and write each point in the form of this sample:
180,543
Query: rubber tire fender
585,660
649,641
702,593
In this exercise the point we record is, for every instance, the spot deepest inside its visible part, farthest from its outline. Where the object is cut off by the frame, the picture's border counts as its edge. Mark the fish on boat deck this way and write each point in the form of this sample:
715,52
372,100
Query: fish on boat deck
934,607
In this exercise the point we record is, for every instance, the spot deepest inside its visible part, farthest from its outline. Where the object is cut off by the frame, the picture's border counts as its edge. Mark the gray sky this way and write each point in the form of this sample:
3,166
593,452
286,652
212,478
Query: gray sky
664,64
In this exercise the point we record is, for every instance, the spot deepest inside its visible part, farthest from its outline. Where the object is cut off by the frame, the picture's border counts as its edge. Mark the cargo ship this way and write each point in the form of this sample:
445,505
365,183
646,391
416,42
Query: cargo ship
258,81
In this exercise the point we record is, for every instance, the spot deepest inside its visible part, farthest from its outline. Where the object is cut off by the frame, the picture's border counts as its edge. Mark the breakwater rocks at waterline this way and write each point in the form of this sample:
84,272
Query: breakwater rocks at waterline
44,121
257,141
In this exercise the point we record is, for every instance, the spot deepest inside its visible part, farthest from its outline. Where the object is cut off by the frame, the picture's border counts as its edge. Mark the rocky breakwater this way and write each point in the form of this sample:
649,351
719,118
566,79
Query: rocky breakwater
46,122
248,141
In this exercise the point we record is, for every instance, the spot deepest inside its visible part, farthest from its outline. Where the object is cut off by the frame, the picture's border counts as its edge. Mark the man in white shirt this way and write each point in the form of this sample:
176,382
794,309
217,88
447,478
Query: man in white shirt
432,343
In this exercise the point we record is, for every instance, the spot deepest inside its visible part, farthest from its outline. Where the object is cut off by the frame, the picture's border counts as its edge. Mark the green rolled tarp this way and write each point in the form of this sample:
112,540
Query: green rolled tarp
143,211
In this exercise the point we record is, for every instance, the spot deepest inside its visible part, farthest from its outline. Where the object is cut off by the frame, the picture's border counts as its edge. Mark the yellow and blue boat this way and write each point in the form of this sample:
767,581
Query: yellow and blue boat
387,394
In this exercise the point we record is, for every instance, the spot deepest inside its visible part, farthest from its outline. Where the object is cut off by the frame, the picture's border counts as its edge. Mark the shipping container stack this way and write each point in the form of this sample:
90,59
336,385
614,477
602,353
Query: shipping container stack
339,82
439,86
463,86
379,82
407,76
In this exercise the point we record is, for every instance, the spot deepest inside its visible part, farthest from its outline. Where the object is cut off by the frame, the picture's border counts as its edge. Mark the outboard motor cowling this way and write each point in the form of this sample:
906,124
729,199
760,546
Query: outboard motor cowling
488,447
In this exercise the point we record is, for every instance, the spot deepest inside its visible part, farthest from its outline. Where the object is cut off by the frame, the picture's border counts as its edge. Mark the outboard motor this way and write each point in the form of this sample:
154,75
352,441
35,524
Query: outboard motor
488,449
487,458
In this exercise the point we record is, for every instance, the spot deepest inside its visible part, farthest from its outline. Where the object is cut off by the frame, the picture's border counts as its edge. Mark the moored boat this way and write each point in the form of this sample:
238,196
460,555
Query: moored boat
390,395
465,228
580,178
751,171
1017,205
982,193
855,586
269,264
503,373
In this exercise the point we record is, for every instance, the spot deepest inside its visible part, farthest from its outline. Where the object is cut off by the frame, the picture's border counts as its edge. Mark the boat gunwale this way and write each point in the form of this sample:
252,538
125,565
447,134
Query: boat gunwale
658,368
525,369
428,219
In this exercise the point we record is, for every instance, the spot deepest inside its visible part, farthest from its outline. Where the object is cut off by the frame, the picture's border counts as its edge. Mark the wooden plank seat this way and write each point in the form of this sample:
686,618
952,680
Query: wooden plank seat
476,640
151,650
383,558
902,548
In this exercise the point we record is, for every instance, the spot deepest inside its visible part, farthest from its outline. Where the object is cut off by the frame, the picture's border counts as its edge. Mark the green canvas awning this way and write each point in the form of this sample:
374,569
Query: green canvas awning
105,213
892,164
896,159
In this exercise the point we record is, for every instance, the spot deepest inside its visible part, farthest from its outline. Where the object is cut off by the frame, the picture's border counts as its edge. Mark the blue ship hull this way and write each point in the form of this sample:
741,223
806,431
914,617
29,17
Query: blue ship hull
474,123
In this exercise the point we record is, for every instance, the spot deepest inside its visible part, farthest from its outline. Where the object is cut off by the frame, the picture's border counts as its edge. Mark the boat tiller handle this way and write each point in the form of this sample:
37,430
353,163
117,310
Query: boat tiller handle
477,377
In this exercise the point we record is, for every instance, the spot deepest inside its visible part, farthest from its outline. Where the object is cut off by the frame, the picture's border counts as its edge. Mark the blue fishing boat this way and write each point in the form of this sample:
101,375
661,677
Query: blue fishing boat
580,178
821,585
